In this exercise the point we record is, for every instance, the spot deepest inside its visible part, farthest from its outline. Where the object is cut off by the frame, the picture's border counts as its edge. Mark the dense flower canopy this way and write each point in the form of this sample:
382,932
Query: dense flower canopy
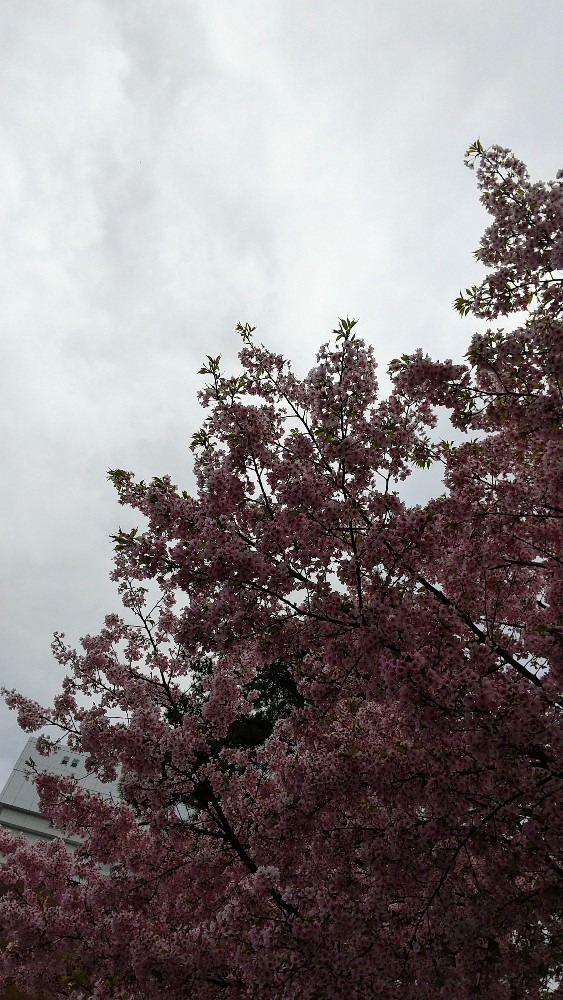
397,832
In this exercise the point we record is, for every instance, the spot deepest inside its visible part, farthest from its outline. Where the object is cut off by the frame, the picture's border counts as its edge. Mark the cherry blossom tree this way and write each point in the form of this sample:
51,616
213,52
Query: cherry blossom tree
398,831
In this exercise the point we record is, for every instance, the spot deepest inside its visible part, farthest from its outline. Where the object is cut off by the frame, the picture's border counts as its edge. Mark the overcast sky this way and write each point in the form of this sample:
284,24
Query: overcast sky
168,168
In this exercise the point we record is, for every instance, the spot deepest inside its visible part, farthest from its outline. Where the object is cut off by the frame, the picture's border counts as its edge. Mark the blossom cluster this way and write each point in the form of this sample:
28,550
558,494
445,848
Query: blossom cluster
399,833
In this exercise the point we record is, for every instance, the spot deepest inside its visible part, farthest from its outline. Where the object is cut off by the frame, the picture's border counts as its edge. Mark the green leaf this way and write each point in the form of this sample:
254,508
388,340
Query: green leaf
200,439
124,539
117,475
245,331
344,330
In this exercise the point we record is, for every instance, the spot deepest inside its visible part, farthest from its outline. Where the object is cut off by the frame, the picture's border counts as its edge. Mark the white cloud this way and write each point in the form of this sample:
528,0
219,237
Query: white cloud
170,168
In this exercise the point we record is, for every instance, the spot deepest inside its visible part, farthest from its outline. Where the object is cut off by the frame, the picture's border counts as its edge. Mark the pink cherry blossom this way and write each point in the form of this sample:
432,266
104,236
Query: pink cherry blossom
400,835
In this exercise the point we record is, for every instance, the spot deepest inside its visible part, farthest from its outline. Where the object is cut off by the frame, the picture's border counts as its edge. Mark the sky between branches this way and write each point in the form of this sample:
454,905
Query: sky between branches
170,168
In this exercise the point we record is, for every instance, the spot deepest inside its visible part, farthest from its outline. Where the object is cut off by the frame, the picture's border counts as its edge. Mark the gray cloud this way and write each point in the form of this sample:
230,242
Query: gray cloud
169,169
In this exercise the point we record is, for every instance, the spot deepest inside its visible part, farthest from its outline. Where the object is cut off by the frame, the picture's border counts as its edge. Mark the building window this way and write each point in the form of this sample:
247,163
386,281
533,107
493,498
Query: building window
75,762
65,760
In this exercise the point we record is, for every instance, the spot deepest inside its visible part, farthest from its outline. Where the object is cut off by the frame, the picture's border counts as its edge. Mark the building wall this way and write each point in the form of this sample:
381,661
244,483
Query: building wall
19,799
19,803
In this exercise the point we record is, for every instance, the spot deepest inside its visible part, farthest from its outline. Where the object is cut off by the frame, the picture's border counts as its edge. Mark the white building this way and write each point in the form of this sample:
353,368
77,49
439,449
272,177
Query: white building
19,799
